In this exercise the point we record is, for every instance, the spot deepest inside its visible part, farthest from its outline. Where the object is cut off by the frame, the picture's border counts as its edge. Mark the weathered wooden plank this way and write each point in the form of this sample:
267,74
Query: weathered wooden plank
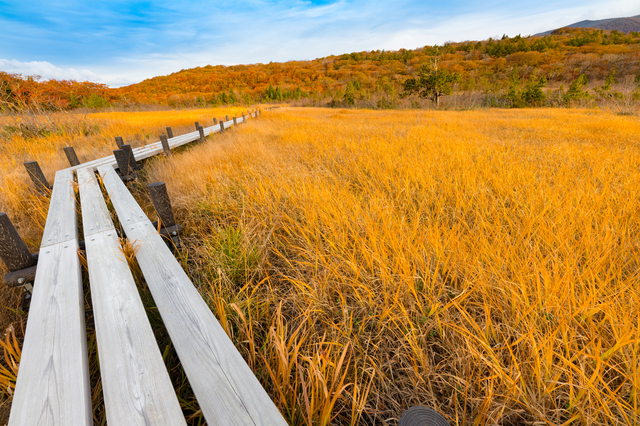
226,389
136,386
134,213
61,222
94,218
53,381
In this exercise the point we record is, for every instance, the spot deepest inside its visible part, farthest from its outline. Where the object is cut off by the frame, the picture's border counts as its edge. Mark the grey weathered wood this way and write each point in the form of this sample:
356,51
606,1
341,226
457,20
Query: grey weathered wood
15,255
227,391
135,213
243,116
201,132
123,164
150,150
36,175
160,199
235,123
71,155
165,145
53,385
13,251
215,120
23,276
169,232
197,125
133,164
226,118
170,132
136,386
221,126
119,142
95,218
61,222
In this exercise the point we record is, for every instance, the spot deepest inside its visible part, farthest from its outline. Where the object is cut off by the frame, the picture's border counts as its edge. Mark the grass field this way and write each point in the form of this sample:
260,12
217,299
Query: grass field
483,263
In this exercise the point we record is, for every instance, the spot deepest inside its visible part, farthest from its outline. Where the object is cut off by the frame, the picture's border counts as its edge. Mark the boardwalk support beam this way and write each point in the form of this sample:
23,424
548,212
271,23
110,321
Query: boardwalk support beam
165,145
123,164
201,131
36,175
71,156
15,255
170,132
160,199
119,142
131,158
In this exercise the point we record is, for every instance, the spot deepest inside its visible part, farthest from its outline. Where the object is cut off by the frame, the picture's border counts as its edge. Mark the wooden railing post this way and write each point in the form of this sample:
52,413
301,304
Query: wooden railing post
226,118
169,132
215,121
130,157
160,199
71,156
235,123
123,164
15,255
36,175
119,142
221,126
197,125
201,131
243,119
165,145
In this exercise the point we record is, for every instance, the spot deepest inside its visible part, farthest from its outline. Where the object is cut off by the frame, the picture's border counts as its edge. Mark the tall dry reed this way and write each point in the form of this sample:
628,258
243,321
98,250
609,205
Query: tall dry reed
484,263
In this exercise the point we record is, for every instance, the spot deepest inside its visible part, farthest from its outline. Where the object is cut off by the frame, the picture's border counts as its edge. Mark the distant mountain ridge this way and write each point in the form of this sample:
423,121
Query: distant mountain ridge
625,25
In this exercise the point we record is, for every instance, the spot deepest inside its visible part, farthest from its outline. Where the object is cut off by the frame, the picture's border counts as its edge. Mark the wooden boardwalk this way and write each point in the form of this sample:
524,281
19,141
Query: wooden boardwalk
53,382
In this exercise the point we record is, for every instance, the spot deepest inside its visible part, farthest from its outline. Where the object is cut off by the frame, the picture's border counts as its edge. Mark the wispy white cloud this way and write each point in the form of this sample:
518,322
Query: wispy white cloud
119,42
48,71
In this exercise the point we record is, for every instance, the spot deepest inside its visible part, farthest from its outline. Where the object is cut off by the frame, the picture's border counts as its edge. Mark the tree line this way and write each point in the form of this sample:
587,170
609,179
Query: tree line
570,65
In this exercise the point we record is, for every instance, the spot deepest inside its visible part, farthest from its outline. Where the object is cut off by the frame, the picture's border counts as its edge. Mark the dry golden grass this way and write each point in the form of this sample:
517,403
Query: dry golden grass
483,263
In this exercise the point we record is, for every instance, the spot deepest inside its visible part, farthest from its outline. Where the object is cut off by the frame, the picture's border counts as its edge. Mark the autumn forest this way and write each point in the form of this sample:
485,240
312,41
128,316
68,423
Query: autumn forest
571,66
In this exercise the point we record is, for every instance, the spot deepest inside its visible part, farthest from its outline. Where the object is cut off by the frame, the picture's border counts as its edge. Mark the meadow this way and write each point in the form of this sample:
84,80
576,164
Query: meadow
483,263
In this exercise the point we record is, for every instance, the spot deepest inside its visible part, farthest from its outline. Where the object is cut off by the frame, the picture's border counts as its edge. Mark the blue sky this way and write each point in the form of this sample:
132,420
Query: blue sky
121,42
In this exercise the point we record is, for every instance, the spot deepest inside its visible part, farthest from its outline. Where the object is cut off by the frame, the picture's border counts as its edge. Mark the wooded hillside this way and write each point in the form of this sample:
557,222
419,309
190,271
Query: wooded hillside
571,63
